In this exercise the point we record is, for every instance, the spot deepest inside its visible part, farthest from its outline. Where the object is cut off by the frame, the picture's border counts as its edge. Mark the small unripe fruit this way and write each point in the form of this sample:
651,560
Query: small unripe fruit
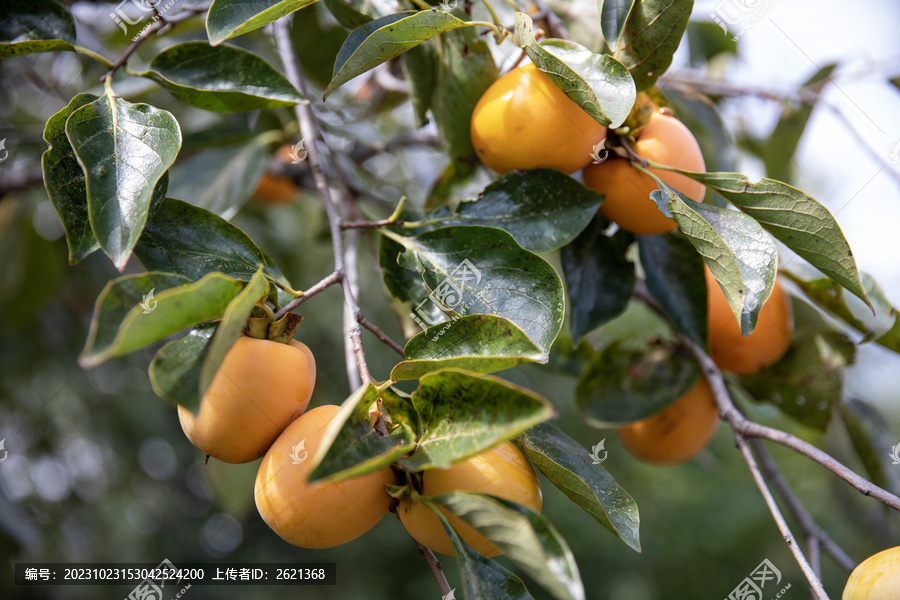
502,471
876,578
734,352
665,140
258,390
524,121
321,514
679,432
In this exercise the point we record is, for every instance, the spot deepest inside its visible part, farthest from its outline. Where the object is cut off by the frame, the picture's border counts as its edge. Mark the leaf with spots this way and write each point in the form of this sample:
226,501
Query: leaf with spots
124,150
651,36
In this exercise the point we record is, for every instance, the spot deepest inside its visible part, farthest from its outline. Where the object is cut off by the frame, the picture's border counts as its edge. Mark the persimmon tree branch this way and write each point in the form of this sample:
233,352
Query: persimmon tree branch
811,530
310,130
436,568
325,283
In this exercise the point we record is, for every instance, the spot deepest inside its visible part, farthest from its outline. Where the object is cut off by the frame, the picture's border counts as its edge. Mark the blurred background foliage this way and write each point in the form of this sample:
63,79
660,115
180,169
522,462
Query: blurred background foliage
98,469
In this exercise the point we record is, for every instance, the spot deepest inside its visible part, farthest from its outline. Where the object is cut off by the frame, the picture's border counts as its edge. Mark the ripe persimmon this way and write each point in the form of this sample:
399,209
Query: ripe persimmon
524,121
876,578
765,346
258,390
322,514
679,432
665,140
502,471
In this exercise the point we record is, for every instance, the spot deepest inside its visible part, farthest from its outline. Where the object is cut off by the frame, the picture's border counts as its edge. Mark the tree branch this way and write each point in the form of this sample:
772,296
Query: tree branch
436,568
811,529
310,130
335,277
381,335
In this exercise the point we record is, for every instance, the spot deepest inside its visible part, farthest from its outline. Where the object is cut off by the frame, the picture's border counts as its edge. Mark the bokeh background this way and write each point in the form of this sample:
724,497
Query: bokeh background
98,469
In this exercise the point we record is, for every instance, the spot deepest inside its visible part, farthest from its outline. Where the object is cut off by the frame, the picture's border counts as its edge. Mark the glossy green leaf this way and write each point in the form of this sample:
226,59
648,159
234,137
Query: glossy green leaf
184,239
465,70
231,18
482,270
599,278
829,295
786,136
796,219
527,538
124,149
651,36
385,38
463,414
175,370
742,256
622,385
570,468
137,310
598,83
220,78
29,26
613,16
476,343
64,180
350,447
349,14
673,272
482,578
543,209
221,179
808,381
876,444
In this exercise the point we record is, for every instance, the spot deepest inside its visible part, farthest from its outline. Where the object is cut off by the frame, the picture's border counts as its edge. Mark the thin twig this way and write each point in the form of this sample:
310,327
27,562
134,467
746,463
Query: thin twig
814,582
436,568
555,26
371,224
332,279
381,336
310,129
157,26
811,529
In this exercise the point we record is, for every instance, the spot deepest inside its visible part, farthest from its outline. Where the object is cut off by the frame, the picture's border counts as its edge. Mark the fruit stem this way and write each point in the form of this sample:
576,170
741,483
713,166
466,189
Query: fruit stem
265,308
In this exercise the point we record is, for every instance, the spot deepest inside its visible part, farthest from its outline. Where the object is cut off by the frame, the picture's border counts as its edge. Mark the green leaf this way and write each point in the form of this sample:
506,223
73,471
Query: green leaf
598,83
483,578
221,179
385,38
137,310
830,296
463,414
873,442
673,272
220,78
622,385
465,70
543,209
613,16
175,370
184,239
786,136
420,64
570,468
317,41
741,255
808,381
599,277
124,149
706,41
350,447
797,220
482,270
349,16
527,538
64,180
651,37
477,343
29,26
231,18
